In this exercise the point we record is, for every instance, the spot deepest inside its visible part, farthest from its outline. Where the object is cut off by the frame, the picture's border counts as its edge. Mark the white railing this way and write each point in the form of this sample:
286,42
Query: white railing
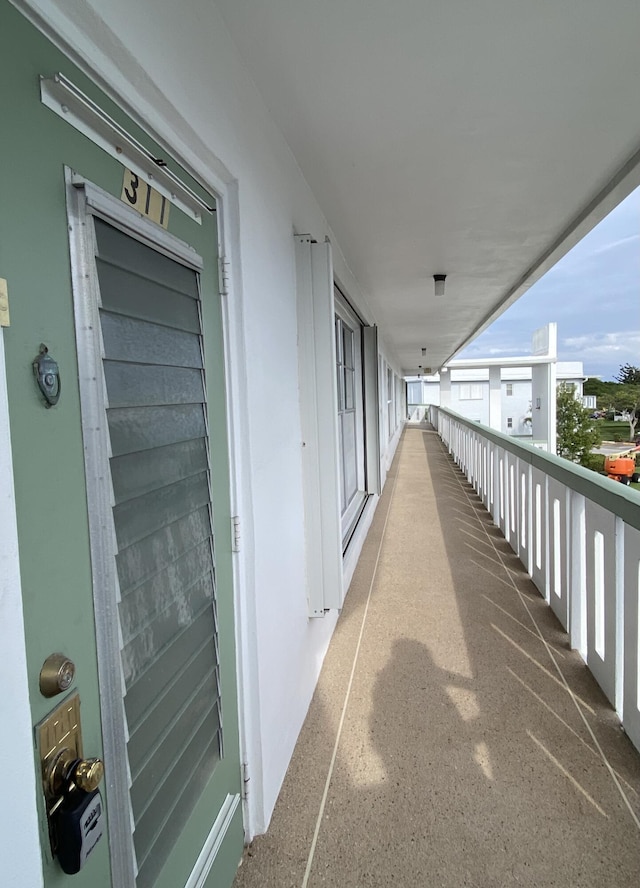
416,412
577,534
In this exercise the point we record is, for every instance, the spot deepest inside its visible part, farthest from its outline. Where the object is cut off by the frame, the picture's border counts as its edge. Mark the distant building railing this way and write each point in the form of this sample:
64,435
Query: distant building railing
578,535
416,412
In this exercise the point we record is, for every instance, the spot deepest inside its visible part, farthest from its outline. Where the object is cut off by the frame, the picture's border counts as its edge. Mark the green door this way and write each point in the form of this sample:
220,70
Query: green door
122,487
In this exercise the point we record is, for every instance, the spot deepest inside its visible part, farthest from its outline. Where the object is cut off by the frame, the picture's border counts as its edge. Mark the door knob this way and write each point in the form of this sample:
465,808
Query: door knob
66,771
88,773
75,811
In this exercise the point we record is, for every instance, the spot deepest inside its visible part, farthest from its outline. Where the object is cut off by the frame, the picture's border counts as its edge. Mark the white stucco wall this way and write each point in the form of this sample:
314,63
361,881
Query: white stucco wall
476,409
184,78
517,406
19,833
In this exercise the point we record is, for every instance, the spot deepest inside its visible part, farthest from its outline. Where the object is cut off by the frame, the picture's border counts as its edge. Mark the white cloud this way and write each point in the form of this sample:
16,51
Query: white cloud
602,345
617,243
485,351
496,351
593,290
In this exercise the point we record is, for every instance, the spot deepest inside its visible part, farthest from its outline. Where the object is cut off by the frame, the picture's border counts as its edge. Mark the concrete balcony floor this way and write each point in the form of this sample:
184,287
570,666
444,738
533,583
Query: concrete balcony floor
454,739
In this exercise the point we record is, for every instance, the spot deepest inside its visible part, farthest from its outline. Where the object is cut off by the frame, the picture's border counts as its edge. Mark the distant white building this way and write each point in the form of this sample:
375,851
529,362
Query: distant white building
511,395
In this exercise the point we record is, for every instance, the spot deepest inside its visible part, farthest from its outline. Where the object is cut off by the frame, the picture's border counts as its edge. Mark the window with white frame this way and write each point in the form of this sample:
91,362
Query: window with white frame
390,411
355,415
509,422
338,371
470,391
509,389
349,385
414,392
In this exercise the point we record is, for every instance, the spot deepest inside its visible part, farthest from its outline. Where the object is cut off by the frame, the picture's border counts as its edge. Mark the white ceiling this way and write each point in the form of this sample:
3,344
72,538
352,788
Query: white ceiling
474,138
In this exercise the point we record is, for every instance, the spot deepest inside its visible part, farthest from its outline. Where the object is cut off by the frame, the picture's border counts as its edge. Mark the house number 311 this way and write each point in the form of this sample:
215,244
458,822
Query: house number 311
146,200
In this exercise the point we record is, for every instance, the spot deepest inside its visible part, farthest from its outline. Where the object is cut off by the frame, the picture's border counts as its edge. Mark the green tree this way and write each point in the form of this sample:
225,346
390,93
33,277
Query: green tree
576,432
601,389
629,375
627,395
627,400
622,396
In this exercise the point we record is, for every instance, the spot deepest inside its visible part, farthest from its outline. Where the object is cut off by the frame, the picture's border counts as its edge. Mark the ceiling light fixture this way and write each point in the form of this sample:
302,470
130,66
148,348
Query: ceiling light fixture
439,280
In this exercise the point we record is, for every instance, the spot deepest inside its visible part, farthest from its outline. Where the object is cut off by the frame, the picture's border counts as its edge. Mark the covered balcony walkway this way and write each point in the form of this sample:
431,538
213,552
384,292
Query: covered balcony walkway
454,739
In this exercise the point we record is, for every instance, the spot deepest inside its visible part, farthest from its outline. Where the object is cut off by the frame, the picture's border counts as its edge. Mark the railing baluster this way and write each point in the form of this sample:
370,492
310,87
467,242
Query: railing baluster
577,535
631,634
577,585
619,541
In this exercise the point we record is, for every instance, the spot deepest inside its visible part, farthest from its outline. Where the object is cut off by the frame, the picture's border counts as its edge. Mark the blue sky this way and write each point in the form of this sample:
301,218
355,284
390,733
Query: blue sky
593,294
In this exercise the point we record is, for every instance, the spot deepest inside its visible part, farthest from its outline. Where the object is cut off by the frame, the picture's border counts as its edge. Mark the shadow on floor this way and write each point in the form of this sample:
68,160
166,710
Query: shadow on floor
462,759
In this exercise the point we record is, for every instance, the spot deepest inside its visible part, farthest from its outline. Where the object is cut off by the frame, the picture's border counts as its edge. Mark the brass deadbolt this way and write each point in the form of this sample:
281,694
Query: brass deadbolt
56,675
